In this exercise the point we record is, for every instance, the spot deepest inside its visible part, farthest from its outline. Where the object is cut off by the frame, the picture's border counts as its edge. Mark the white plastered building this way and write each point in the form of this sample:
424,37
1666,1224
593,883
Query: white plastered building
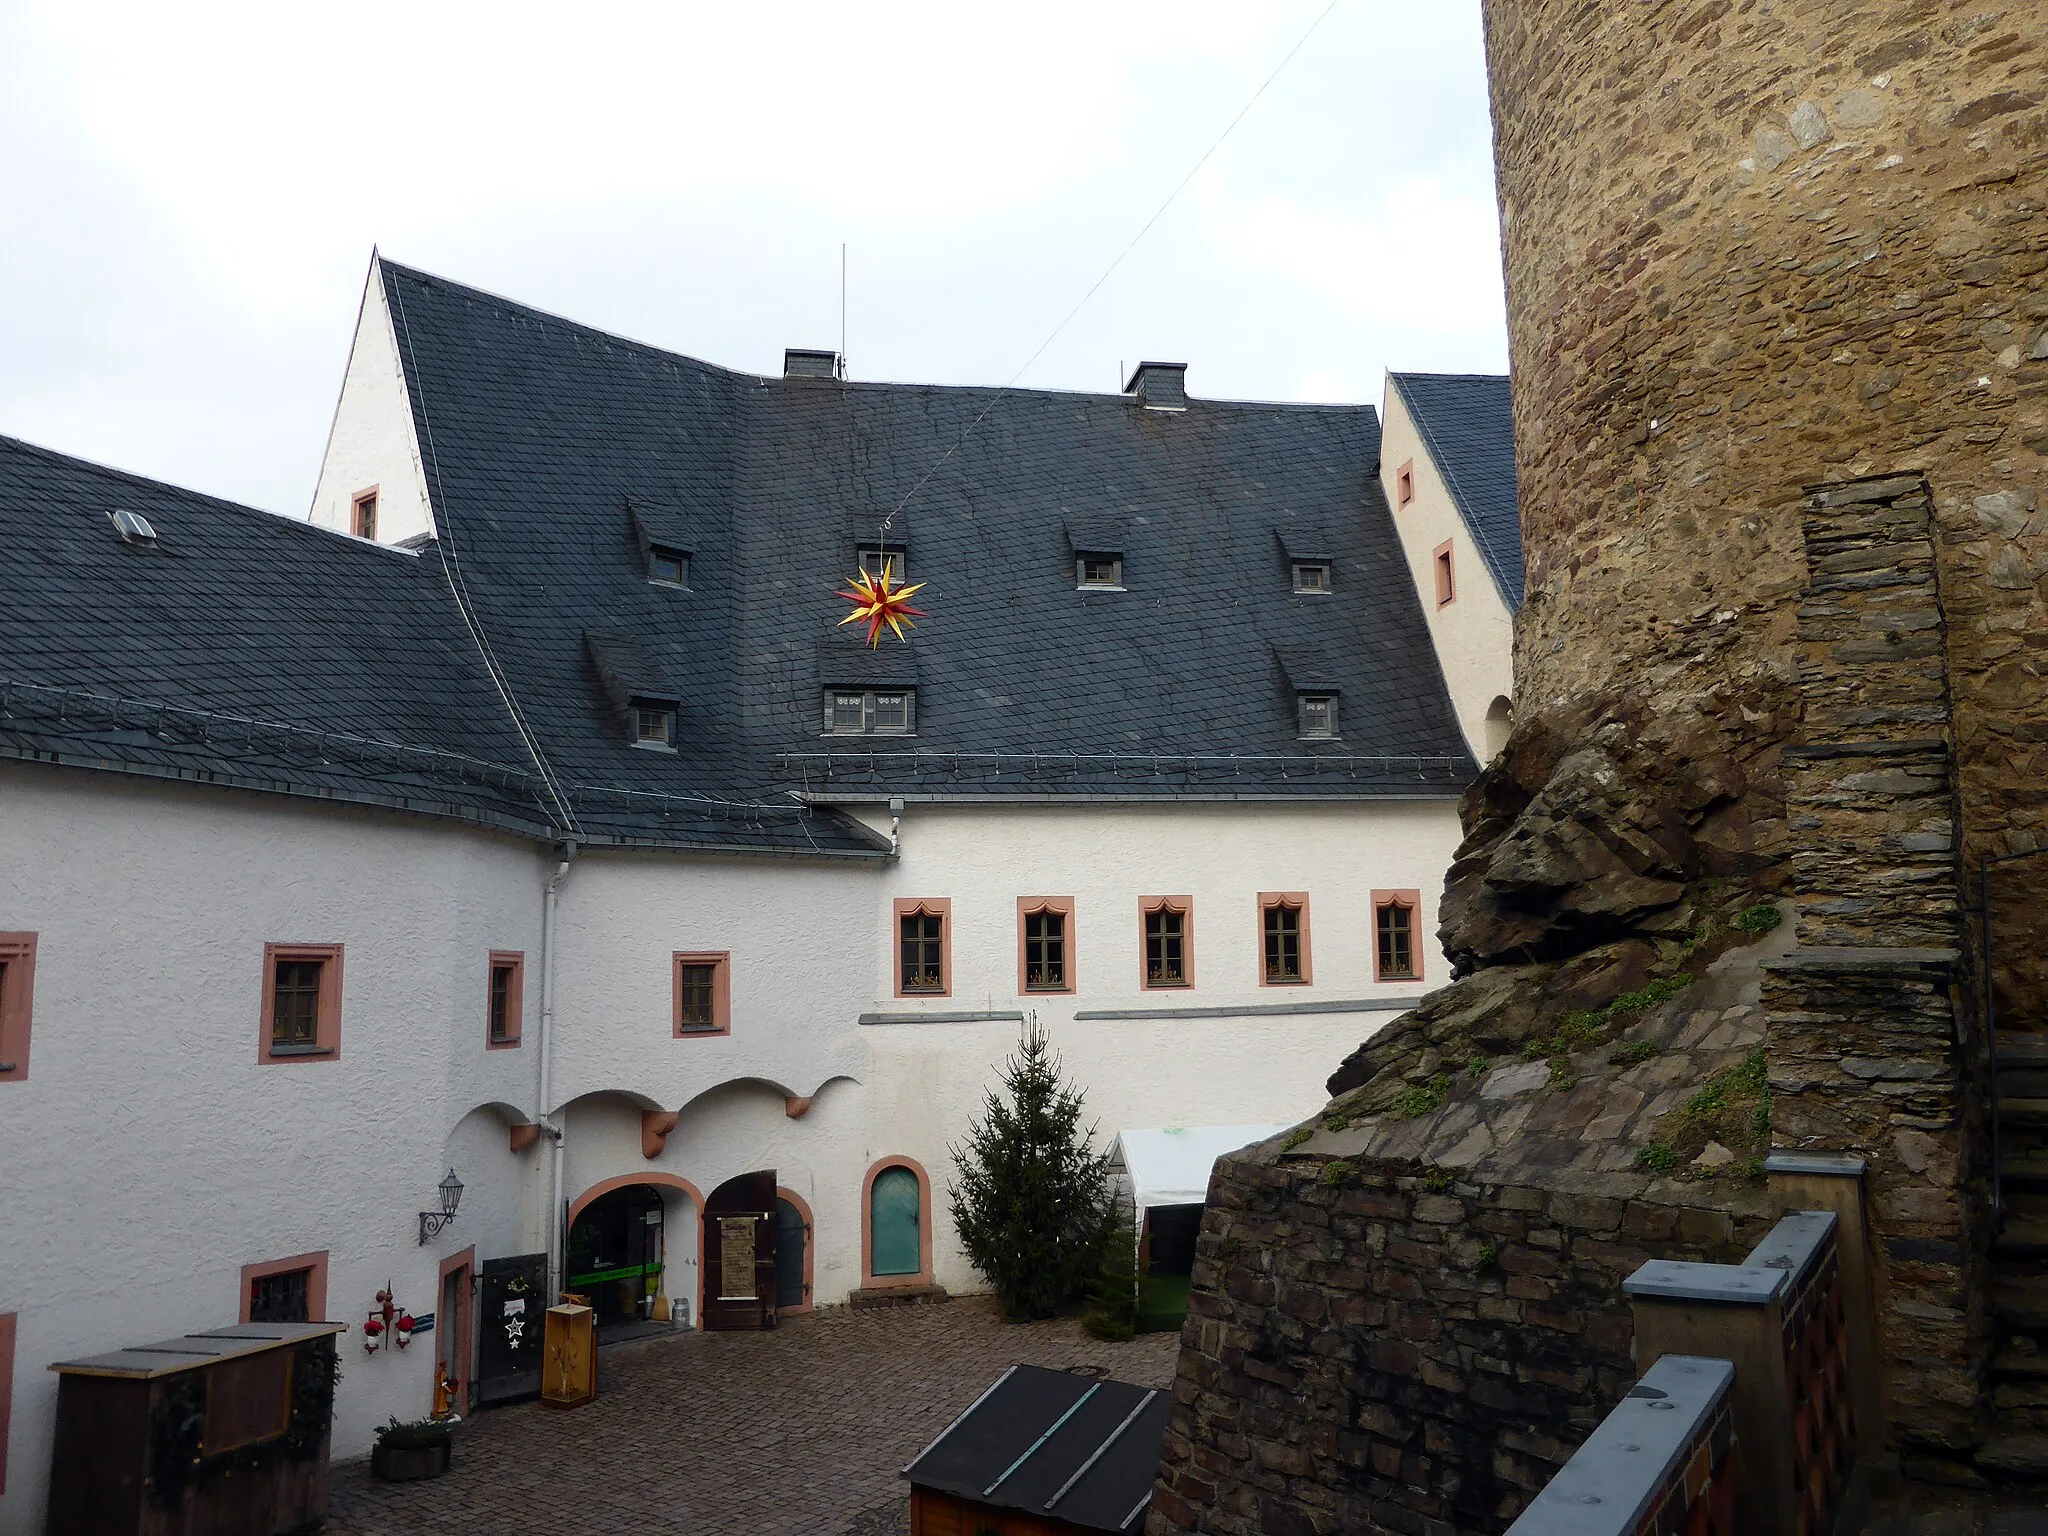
334,858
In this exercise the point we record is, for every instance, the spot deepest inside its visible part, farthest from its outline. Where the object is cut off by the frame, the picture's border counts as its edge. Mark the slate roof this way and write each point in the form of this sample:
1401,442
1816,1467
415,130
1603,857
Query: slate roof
251,650
1055,1445
544,442
1466,423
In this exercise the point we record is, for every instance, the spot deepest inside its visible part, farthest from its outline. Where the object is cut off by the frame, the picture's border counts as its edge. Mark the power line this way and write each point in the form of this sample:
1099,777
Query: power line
1109,271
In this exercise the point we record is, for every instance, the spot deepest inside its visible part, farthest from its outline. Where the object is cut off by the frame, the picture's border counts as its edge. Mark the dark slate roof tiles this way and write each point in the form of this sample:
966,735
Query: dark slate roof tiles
535,428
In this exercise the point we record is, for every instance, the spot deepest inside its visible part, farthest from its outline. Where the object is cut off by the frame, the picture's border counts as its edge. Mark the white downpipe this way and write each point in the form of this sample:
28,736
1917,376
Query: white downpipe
544,1114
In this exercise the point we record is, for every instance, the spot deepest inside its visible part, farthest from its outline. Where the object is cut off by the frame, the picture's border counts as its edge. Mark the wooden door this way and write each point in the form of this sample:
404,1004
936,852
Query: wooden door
515,1293
738,1253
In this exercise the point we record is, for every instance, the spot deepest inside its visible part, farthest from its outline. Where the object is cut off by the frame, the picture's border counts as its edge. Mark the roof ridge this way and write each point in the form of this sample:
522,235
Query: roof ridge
186,493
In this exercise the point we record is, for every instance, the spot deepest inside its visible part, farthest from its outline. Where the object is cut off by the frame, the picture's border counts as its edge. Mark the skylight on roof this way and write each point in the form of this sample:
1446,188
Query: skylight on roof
133,527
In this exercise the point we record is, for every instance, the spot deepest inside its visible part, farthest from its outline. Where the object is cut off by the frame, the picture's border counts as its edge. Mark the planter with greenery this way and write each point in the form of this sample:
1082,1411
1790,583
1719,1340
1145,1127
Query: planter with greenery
407,1452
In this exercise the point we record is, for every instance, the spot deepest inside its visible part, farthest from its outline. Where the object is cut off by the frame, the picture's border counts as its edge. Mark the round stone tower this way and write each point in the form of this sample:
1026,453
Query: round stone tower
1751,248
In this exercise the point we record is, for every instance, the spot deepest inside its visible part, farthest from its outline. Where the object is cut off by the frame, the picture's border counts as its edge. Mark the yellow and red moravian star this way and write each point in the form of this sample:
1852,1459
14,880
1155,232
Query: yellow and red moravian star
878,600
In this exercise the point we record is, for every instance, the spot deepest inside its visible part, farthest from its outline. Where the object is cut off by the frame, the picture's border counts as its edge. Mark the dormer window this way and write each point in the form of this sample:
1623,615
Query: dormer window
1318,716
133,527
1312,576
653,725
874,560
668,567
870,712
1099,572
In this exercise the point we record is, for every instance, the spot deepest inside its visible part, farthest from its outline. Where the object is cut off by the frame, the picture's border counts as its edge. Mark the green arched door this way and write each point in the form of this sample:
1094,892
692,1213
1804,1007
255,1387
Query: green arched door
893,1221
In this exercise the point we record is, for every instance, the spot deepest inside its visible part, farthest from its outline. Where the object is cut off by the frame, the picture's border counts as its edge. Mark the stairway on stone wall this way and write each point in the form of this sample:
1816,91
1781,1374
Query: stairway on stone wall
2019,1265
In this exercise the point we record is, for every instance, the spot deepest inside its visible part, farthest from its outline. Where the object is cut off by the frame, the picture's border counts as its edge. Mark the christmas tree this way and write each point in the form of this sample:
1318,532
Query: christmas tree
1031,1198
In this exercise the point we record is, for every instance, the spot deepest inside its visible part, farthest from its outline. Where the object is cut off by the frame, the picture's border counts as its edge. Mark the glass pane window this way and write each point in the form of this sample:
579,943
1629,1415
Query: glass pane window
1318,717
874,561
501,1002
1098,570
295,1003
889,713
671,567
892,713
1045,951
1283,943
695,1005
653,727
280,1298
366,517
1396,942
1311,576
923,957
1166,948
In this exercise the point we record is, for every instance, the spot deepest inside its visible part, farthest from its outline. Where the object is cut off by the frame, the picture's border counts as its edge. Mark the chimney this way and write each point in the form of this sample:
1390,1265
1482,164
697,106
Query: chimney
804,363
1160,386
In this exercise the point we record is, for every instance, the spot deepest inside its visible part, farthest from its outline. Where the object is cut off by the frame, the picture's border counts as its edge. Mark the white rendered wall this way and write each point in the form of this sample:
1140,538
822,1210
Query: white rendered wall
148,1155
151,1157
1474,635
372,441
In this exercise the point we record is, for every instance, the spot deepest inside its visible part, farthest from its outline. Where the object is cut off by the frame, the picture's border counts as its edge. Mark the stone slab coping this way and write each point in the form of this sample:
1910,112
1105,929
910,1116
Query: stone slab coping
1610,1482
1904,747
1849,957
1795,1244
1838,1165
972,1016
1255,1010
1728,1285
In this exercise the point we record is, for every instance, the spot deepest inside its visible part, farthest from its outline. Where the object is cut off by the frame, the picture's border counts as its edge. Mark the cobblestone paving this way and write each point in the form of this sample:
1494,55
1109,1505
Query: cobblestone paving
799,1431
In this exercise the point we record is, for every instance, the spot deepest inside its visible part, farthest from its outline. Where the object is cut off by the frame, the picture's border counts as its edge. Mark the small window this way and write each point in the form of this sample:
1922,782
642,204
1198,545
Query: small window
1404,484
17,999
1318,717
133,527
887,712
1312,576
295,1011
921,949
281,1298
875,560
1168,946
703,995
363,517
1284,921
1044,933
1396,941
301,1002
1104,571
505,1003
654,727
668,567
1446,580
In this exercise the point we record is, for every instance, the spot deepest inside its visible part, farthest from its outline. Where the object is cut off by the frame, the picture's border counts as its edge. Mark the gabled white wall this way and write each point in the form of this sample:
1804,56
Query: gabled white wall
1475,634
372,441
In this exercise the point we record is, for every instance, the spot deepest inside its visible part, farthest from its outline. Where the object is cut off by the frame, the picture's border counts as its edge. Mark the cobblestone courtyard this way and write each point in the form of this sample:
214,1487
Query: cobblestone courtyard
802,1430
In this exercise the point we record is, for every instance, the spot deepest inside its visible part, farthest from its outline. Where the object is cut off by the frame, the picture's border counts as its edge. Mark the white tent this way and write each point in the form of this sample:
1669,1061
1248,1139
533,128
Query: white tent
1172,1166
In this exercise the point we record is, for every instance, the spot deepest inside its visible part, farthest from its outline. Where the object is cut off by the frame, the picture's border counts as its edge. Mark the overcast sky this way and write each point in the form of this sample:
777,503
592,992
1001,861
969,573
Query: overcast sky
189,195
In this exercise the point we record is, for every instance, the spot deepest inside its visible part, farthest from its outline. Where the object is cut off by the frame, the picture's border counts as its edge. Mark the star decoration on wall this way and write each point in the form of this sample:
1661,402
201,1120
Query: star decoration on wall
880,600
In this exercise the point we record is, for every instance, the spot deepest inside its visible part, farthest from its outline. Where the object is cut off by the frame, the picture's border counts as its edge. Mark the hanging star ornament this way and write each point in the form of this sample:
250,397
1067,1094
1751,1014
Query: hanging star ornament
879,600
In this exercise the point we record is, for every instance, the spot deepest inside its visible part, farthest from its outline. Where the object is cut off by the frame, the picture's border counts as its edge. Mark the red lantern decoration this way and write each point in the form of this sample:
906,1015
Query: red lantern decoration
373,1333
404,1327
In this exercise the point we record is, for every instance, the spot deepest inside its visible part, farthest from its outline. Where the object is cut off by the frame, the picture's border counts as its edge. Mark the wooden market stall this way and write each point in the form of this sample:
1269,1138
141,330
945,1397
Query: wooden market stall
213,1434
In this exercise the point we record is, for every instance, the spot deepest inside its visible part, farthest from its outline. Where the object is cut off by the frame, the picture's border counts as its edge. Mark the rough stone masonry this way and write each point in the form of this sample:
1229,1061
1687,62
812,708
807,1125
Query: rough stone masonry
1759,254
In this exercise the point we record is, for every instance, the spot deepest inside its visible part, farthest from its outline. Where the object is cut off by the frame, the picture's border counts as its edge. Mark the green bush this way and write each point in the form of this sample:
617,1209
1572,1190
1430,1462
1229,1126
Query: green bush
1414,1103
1761,918
415,1434
1295,1138
1477,1067
1629,1052
1113,1291
1437,1182
1657,1157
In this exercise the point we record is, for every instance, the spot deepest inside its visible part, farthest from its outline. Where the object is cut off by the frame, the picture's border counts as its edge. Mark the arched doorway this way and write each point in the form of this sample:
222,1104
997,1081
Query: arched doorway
618,1254
739,1253
896,1238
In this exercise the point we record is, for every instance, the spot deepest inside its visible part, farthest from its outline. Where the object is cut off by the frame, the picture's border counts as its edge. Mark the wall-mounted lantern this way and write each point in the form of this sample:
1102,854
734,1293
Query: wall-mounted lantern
431,1222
